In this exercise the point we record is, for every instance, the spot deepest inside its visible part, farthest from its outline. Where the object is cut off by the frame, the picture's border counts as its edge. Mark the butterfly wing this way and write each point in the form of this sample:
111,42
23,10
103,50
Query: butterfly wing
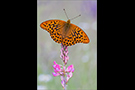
54,27
57,31
75,35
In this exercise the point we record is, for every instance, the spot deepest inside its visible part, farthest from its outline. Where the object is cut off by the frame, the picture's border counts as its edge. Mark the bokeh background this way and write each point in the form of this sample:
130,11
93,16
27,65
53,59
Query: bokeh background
82,56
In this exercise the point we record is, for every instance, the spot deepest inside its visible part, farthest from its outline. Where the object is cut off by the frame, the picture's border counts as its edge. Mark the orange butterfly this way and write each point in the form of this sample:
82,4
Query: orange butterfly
64,32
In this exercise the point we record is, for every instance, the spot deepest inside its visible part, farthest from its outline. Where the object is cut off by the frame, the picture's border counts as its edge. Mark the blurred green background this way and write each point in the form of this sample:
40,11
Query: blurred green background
82,56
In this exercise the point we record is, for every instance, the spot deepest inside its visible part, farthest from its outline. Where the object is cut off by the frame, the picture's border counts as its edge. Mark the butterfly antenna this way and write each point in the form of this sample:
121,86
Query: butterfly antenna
65,13
75,17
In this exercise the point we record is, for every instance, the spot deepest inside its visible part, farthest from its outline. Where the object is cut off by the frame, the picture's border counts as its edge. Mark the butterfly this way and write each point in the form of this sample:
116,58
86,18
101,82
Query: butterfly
65,32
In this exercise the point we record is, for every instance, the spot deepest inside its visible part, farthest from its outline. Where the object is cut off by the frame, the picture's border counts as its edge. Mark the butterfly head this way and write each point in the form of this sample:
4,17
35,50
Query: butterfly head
68,21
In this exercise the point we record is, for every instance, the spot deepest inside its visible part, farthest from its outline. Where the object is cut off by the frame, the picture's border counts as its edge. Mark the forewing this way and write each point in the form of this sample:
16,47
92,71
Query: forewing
54,27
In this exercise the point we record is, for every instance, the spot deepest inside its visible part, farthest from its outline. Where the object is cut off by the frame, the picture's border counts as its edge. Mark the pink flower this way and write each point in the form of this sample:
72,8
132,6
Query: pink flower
70,68
55,74
69,76
62,81
60,70
56,66
57,69
64,54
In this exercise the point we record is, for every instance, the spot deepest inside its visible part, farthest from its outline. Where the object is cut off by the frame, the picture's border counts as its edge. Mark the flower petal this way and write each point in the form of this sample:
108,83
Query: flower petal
73,70
54,66
62,83
55,74
70,68
55,62
69,76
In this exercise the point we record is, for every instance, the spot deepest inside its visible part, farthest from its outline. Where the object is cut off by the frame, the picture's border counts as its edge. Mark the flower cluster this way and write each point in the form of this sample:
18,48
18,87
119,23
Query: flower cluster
64,54
60,70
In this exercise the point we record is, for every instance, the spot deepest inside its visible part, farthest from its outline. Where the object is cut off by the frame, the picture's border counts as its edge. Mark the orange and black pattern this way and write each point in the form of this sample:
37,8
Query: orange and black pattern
64,32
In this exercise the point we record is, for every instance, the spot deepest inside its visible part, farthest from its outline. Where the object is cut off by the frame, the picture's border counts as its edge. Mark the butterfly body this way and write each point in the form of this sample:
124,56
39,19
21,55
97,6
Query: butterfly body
64,32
